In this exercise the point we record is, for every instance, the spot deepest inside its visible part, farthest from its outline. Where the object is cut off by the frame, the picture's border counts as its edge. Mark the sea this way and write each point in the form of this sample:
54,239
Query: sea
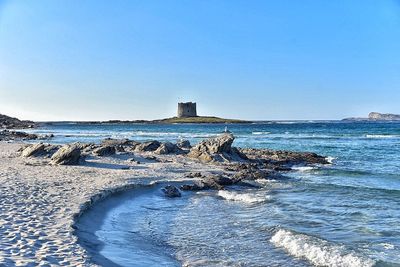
346,213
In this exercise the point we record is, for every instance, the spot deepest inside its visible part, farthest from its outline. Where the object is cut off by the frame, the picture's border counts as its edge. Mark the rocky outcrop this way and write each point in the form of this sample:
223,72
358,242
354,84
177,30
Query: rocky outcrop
171,191
105,150
67,155
7,122
216,149
215,182
6,135
376,116
168,148
283,158
183,144
147,146
39,150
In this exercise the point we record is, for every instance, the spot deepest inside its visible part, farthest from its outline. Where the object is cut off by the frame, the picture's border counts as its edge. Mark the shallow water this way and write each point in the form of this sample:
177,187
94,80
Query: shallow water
344,214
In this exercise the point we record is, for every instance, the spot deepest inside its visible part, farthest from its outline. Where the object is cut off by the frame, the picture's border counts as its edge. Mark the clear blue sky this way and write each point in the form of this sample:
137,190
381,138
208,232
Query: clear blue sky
286,59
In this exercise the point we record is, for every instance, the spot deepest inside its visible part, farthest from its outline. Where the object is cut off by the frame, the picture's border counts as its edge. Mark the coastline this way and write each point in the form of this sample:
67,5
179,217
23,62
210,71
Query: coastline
41,203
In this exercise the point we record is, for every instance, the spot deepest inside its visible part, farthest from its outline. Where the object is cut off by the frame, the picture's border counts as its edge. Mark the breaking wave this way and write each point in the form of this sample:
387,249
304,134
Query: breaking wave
319,252
242,197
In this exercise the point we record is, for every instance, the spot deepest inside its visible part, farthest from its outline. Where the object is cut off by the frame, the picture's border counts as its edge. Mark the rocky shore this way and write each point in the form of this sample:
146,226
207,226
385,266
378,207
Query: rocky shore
7,122
45,187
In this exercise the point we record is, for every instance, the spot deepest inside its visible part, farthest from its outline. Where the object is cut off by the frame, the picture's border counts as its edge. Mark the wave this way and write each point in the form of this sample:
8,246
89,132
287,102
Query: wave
303,168
242,197
260,133
381,136
319,252
330,159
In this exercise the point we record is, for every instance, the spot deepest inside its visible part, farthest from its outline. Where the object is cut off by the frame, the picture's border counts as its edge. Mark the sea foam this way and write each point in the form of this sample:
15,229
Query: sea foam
381,136
242,197
319,252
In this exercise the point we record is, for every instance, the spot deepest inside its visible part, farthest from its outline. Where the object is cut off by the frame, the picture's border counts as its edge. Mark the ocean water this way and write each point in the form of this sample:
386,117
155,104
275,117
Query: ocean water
343,214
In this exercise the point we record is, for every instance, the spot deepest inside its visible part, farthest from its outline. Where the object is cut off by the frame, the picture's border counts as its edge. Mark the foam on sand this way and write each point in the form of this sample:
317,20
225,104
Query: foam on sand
319,252
242,197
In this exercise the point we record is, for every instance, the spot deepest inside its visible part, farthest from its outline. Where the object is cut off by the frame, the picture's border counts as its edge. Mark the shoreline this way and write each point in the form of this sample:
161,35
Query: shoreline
42,203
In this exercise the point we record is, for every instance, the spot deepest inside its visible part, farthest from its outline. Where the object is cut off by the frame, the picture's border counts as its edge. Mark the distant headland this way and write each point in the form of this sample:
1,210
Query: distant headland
187,113
376,116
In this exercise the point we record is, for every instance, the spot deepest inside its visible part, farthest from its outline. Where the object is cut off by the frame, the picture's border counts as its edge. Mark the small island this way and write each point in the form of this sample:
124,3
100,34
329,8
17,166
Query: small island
376,116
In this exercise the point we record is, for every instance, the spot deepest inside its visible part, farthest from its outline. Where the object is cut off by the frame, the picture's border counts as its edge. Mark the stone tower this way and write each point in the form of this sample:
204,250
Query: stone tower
187,109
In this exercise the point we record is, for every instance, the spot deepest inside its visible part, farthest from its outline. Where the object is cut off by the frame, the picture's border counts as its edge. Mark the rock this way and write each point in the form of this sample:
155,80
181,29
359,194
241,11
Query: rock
283,158
6,135
104,150
167,148
147,146
194,175
218,179
254,174
216,149
40,149
183,144
376,116
34,150
171,191
215,182
10,122
117,142
69,154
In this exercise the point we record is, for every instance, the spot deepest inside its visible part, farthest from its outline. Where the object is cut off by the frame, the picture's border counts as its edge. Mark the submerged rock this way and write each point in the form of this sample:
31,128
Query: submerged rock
216,149
283,158
67,155
171,191
215,182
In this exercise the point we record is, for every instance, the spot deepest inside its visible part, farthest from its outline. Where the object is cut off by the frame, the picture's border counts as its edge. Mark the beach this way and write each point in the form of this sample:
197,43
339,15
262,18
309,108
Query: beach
249,206
39,202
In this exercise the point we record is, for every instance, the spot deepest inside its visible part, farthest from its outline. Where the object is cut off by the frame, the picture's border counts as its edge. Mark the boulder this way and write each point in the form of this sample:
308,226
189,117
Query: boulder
183,144
104,150
6,135
167,148
147,146
37,150
69,154
171,191
215,182
216,149
283,158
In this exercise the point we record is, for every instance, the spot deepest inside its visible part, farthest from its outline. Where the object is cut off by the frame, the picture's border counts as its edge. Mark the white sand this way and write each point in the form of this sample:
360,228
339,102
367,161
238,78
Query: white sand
38,202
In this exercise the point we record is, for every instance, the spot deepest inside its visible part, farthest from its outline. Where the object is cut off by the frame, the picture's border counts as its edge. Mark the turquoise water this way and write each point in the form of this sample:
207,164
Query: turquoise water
344,214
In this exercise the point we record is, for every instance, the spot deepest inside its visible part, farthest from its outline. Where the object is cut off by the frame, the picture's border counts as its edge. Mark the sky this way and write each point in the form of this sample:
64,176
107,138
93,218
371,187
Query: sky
257,60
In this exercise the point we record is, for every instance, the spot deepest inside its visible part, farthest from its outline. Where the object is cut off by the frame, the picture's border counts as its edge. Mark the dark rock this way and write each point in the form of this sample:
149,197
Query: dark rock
147,146
6,135
283,158
7,122
183,144
194,175
255,174
104,150
69,154
218,179
171,191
